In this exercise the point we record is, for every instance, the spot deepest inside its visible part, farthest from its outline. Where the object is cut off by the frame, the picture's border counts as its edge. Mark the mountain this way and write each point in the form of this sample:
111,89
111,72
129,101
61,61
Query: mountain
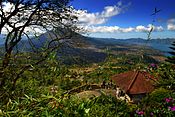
158,44
81,49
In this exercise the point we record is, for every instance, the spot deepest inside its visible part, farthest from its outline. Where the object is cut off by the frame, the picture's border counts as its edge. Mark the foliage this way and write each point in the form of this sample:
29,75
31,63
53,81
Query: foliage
156,97
36,84
48,105
166,75
27,16
171,59
108,106
22,19
41,91
160,102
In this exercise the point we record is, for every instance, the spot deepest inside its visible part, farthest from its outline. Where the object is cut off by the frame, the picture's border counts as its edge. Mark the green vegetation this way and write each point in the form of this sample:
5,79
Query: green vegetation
172,58
43,90
36,82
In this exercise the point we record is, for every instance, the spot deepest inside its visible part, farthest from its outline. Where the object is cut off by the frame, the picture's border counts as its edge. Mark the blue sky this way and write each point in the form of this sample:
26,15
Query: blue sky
127,18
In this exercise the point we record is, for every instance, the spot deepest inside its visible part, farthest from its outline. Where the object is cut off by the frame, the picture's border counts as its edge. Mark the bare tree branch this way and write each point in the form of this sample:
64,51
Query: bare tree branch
24,15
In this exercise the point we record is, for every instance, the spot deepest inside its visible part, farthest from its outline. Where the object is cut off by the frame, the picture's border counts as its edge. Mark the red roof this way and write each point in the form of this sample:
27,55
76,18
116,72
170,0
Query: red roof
135,82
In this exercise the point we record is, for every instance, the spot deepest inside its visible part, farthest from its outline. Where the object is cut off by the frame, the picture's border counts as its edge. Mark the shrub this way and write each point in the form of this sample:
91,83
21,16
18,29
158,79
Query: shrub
160,102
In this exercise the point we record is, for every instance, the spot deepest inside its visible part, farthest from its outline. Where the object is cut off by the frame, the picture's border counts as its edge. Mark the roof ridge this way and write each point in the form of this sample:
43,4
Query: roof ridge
132,82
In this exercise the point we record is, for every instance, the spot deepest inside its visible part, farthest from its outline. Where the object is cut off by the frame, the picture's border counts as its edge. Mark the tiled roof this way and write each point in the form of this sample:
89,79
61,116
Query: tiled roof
134,82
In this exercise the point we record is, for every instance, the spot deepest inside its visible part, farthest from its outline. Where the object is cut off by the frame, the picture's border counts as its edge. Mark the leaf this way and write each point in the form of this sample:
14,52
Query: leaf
87,110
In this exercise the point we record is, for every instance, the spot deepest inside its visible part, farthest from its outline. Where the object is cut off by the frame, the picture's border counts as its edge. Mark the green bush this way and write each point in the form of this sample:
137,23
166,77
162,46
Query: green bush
160,102
47,105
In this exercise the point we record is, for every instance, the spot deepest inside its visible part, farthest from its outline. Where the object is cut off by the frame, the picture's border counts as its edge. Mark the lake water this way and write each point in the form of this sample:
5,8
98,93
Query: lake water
159,46
162,47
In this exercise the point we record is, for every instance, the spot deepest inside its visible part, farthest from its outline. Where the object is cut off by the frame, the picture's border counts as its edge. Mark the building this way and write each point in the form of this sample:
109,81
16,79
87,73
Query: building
135,84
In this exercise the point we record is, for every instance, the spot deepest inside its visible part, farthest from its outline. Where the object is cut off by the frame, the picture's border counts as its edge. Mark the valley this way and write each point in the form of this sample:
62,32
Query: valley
87,58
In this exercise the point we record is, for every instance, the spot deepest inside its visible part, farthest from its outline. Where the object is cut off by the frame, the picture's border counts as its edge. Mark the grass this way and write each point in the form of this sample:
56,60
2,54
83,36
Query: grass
41,91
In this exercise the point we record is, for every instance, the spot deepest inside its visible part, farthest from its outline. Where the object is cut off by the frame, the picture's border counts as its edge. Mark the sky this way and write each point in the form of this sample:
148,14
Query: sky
122,19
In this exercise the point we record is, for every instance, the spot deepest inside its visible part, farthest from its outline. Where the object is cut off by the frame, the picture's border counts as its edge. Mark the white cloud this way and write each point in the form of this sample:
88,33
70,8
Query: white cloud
102,29
90,18
171,24
141,29
29,30
110,11
34,29
7,7
130,29
159,28
86,18
117,29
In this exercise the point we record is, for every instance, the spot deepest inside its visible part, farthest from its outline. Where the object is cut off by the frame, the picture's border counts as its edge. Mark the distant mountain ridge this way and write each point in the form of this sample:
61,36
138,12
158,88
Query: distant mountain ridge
134,40
158,44
90,49
89,41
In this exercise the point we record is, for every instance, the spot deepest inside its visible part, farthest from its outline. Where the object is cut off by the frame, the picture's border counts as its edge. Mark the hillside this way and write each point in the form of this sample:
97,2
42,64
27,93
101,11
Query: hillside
83,50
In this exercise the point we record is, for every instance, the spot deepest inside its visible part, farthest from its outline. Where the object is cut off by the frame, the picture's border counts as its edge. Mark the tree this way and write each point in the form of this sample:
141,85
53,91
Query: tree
171,59
25,18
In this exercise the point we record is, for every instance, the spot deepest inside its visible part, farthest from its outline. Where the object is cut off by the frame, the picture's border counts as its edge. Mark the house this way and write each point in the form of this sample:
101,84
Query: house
135,84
